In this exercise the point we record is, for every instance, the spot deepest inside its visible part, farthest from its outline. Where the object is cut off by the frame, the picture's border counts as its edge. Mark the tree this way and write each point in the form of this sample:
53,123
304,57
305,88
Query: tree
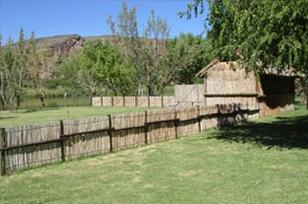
146,51
187,54
19,70
9,77
13,72
98,66
34,66
261,33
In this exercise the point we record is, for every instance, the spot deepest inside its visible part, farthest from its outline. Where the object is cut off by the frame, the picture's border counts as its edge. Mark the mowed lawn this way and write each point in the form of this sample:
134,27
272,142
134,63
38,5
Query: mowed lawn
265,161
23,117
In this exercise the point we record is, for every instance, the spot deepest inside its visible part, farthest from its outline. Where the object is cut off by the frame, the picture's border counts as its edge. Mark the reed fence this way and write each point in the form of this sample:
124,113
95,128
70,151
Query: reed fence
135,101
34,145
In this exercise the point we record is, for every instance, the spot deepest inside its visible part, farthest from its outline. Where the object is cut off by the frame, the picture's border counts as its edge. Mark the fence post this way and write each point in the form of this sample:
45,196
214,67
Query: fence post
199,119
112,101
146,127
110,133
176,123
162,101
136,101
2,145
123,101
62,142
102,101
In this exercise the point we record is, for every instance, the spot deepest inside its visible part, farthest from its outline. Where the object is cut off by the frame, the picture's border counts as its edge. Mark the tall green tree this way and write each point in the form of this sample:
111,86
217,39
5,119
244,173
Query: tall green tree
13,72
98,68
144,49
19,71
8,75
34,66
261,33
187,54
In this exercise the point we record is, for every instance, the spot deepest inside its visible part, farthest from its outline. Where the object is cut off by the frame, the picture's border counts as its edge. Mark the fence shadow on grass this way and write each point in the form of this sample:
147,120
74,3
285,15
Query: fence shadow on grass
285,132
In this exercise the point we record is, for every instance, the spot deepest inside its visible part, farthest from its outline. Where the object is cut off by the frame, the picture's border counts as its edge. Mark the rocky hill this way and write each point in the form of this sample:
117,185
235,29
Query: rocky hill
56,48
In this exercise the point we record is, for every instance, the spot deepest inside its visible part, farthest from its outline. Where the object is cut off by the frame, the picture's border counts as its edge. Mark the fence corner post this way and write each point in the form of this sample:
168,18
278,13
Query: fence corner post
110,133
62,141
2,155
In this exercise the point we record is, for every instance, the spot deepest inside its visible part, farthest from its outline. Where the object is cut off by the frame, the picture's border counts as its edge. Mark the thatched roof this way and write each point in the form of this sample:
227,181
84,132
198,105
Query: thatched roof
216,64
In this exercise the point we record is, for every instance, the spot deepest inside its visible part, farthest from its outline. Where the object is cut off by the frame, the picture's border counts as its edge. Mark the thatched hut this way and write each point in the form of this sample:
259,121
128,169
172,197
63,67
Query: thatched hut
228,82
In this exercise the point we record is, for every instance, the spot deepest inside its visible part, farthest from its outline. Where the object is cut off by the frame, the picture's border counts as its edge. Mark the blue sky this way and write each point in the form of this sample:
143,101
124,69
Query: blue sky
86,17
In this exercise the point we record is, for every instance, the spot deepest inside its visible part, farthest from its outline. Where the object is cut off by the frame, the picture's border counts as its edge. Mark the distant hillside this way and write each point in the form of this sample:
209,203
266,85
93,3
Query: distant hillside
53,41
60,46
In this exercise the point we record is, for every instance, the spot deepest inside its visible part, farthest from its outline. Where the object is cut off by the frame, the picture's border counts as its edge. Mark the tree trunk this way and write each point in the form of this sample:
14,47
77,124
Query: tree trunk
150,90
42,100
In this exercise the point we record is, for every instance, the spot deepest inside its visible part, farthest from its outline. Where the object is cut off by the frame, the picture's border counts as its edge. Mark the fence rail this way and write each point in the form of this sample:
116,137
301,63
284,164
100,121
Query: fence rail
28,146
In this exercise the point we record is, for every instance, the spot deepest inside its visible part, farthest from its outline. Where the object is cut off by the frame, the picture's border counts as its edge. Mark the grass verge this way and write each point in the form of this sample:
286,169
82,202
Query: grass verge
29,116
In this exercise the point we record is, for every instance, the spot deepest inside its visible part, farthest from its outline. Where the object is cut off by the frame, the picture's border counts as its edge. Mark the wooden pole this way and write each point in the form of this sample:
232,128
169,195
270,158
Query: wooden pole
110,133
149,101
176,124
146,127
136,101
112,101
199,119
2,145
123,101
62,142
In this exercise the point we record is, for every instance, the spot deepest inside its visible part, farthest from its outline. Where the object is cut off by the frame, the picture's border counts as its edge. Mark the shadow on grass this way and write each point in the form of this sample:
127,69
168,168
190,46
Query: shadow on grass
284,132
40,109
5,118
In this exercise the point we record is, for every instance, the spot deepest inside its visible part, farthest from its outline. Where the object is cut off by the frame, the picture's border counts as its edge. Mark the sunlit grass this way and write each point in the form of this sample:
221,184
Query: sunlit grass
29,116
213,167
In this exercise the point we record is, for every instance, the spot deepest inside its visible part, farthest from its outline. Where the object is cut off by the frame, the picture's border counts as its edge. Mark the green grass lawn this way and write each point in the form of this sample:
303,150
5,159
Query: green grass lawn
22,117
263,161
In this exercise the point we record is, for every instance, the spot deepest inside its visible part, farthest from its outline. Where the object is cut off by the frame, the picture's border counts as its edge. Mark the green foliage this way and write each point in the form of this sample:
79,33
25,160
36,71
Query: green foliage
145,51
20,66
98,67
187,54
261,33
264,34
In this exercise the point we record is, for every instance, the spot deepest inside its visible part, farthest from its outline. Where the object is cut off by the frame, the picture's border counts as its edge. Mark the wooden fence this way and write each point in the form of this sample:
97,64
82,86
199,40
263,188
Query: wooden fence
135,101
35,145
